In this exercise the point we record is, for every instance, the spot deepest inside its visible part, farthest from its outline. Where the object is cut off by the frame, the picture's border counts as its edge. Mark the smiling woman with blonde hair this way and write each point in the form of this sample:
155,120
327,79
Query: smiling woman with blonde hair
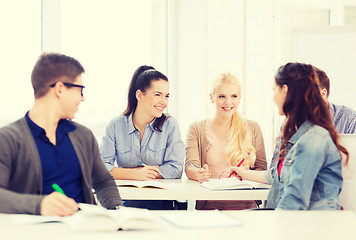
239,136
224,141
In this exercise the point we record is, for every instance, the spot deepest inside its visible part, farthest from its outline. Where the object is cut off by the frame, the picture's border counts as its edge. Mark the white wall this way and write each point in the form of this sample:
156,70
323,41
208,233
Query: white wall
200,39
260,67
212,37
207,42
332,49
111,38
20,45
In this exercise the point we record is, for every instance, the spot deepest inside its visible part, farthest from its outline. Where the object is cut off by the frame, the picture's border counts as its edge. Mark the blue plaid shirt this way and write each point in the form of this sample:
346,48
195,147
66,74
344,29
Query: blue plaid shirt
344,118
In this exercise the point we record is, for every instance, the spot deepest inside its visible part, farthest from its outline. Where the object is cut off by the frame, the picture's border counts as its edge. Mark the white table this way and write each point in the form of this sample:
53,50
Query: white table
188,190
277,225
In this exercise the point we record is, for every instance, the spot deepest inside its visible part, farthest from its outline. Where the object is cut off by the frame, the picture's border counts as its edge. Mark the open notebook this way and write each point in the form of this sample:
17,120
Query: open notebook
97,218
232,183
141,184
156,184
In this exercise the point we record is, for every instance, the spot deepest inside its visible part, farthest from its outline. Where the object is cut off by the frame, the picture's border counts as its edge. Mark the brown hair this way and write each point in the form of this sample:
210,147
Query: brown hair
51,68
324,81
141,80
304,102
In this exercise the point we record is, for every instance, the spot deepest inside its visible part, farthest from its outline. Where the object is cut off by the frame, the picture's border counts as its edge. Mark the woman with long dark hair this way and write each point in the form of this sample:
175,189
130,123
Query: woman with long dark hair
144,143
308,173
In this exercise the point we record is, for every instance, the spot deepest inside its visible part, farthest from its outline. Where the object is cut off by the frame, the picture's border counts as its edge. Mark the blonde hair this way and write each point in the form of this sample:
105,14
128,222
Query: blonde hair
239,136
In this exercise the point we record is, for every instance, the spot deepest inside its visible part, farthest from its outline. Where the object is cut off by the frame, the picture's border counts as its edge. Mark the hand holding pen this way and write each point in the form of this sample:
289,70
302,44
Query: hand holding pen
238,165
147,172
201,174
231,171
57,203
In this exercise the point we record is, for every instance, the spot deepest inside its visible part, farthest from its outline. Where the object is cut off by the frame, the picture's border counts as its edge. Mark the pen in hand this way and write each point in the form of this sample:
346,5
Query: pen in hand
58,189
238,165
194,165
142,164
65,207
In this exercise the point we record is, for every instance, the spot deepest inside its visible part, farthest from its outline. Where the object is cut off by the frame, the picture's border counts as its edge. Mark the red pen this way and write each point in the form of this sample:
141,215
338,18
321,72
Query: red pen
238,165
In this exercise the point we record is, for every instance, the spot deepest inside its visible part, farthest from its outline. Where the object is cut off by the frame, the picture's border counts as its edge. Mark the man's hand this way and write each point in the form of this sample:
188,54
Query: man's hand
58,204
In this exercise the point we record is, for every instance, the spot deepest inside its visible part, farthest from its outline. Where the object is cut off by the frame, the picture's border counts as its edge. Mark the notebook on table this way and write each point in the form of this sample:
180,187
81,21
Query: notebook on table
233,183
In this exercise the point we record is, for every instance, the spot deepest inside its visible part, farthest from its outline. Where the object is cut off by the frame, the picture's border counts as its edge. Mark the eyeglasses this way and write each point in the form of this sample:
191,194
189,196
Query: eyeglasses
70,85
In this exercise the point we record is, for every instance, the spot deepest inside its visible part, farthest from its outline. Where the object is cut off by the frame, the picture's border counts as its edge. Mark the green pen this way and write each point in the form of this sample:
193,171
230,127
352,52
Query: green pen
58,189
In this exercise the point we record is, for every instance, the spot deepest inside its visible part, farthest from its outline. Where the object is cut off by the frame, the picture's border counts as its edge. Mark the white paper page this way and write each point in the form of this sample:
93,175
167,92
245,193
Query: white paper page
33,219
199,219
158,184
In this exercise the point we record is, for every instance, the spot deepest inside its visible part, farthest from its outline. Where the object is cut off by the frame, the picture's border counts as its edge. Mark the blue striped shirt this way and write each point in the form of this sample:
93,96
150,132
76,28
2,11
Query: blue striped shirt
344,118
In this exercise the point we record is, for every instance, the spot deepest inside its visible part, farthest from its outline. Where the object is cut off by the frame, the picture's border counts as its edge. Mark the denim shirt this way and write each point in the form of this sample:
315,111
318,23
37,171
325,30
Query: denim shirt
311,175
121,146
344,119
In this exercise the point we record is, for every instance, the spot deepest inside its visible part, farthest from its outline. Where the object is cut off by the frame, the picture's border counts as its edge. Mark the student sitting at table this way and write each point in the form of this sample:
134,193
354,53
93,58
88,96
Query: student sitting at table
344,118
144,143
308,173
226,140
45,148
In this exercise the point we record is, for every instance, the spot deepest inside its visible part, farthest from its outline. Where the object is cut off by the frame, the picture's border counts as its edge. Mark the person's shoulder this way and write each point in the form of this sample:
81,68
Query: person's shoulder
170,123
252,124
14,133
342,109
316,137
318,142
82,134
119,119
170,120
318,131
200,124
14,127
197,128
80,127
348,110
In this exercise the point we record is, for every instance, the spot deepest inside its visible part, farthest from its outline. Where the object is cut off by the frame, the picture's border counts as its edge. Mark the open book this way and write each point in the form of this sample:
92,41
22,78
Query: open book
96,218
143,184
232,184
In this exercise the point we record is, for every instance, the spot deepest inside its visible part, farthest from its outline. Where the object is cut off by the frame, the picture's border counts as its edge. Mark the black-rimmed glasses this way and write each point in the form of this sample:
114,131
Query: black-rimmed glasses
70,85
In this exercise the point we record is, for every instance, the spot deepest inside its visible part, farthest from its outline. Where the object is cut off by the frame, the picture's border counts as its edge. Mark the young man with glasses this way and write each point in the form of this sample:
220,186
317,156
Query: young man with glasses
46,149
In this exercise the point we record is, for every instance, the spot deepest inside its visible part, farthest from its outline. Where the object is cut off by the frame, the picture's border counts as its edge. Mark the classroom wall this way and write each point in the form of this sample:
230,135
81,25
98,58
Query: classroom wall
212,37
191,41
333,50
